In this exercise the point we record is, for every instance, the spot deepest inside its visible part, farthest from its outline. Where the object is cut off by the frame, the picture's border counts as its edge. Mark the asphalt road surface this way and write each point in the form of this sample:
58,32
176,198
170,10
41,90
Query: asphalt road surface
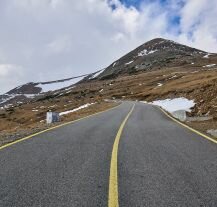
160,163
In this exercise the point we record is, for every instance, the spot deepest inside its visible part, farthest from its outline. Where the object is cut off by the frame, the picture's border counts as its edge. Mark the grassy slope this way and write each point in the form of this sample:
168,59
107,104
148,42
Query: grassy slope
192,81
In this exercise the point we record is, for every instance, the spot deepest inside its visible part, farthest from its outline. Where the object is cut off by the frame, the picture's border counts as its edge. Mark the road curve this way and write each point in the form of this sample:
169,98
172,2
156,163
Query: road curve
160,163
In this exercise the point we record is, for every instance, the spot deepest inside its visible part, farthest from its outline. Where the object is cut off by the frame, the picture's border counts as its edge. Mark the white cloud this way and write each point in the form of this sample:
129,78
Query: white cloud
128,16
199,25
8,70
59,45
118,37
10,75
192,14
62,38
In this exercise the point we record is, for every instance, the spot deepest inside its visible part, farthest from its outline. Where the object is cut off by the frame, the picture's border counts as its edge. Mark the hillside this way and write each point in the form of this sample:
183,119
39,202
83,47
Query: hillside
28,91
153,55
160,69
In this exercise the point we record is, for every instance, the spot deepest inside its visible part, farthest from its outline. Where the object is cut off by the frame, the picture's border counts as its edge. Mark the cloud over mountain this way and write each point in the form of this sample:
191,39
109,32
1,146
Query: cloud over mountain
47,39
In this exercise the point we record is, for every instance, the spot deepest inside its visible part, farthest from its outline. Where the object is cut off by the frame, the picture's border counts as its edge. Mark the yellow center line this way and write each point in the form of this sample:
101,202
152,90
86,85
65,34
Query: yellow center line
113,178
188,127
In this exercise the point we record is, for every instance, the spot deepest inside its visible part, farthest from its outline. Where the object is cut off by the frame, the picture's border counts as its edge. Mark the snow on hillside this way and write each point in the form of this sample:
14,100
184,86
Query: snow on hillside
58,85
206,56
146,52
129,62
12,96
30,95
175,104
209,66
142,53
97,74
76,109
7,98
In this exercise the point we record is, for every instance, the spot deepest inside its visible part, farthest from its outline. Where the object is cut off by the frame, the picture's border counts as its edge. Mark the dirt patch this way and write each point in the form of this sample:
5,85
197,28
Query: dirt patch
204,126
193,82
13,134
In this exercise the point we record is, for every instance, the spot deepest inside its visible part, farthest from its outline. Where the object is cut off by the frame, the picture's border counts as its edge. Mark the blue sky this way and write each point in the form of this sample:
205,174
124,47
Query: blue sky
164,3
135,3
173,17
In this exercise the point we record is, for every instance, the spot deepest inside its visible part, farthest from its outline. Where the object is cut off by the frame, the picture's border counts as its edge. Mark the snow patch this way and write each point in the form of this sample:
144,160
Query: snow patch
58,85
142,53
60,94
8,98
206,56
68,92
12,96
152,51
209,66
175,104
213,132
146,52
97,74
52,106
69,88
129,62
175,76
18,87
76,109
30,95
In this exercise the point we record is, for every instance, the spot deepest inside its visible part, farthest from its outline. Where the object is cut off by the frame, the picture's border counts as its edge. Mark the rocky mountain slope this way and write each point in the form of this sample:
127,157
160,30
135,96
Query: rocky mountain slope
32,90
159,69
153,55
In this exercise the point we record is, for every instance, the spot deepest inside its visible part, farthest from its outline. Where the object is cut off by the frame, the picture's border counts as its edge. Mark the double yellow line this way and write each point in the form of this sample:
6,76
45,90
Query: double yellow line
113,178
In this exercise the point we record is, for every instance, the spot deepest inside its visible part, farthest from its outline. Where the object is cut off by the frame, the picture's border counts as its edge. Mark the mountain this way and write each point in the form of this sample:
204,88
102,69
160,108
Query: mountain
32,90
154,55
159,70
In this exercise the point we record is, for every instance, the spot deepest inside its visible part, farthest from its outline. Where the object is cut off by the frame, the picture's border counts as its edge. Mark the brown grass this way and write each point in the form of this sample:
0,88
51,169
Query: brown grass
193,82
13,130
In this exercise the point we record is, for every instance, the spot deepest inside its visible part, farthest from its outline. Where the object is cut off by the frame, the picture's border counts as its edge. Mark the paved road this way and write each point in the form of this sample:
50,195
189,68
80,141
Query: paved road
160,163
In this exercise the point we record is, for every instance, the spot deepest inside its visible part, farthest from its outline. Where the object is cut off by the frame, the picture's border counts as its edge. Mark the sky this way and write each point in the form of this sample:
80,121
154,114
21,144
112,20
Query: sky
42,40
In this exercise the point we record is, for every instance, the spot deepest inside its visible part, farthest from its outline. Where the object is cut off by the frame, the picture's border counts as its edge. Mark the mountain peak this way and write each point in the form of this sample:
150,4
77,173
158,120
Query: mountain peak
155,54
165,44
157,40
